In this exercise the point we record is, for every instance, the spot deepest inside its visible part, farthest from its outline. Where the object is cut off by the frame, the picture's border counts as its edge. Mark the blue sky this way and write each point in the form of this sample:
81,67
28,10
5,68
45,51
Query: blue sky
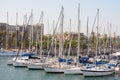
109,12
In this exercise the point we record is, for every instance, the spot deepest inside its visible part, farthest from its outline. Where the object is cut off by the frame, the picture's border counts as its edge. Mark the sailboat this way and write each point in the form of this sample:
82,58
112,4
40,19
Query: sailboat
98,70
76,69
40,63
58,67
24,59
35,64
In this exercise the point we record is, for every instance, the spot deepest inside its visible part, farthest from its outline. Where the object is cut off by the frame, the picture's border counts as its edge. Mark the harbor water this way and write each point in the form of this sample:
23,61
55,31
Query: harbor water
12,73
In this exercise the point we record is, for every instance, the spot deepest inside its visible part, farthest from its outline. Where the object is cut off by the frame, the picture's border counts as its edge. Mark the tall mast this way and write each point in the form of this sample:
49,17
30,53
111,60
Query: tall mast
55,50
23,29
87,36
48,37
37,42
110,39
37,38
16,29
30,36
78,52
41,32
97,32
25,20
70,37
7,29
32,29
104,43
61,33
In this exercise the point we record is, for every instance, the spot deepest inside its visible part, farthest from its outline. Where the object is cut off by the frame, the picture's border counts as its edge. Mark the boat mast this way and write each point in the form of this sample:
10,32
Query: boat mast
61,33
110,39
87,36
97,32
41,33
32,29
55,50
78,52
30,33
104,43
16,29
70,37
7,29
48,37
23,29
37,41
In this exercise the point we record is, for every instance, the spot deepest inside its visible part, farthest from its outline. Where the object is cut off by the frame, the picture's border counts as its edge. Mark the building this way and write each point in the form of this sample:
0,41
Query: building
12,30
31,31
3,26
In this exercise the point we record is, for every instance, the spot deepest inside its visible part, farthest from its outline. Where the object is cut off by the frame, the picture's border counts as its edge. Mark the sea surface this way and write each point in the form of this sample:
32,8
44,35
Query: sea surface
12,73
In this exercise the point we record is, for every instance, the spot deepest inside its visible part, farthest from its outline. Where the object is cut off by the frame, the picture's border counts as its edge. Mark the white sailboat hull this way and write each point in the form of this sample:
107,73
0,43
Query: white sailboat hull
73,71
54,70
97,73
20,64
36,66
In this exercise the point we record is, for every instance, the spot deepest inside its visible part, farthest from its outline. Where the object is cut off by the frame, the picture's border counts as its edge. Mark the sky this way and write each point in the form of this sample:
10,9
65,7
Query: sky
109,13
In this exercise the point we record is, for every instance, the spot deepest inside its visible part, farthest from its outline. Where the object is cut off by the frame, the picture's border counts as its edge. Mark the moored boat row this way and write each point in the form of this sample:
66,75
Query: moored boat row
56,67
